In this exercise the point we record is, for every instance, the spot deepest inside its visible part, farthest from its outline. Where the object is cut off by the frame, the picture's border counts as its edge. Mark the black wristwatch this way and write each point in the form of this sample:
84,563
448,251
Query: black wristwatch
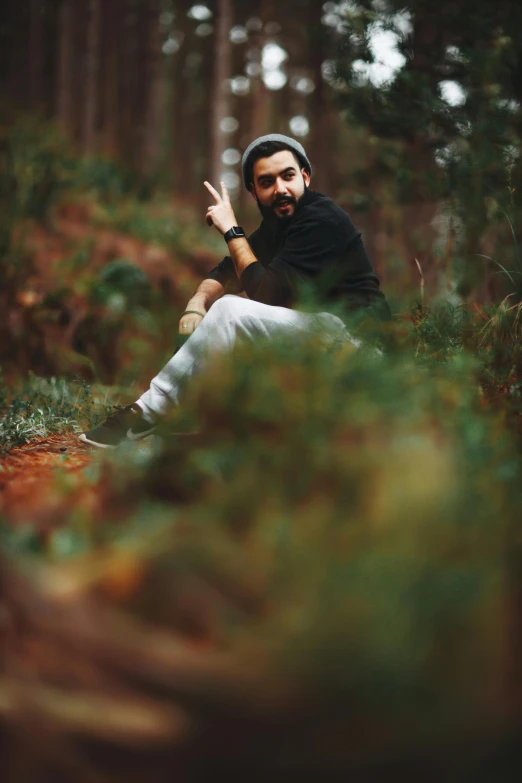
233,233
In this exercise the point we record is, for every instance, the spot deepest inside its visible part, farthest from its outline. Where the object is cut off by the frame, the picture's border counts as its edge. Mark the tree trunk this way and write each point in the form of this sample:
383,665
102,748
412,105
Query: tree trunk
261,98
35,59
112,39
15,22
65,67
92,67
419,207
182,117
321,130
155,92
129,83
220,96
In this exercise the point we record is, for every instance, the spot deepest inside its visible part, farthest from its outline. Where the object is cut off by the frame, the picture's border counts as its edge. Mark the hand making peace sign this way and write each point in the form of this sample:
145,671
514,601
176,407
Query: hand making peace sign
221,213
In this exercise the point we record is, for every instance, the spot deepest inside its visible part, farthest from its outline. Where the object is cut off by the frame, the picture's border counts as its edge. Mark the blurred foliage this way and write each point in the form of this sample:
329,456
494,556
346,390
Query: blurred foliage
107,180
35,169
37,166
423,147
131,217
72,302
347,516
120,277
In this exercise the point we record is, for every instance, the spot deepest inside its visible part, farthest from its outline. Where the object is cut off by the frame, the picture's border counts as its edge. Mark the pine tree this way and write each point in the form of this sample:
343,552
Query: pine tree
429,150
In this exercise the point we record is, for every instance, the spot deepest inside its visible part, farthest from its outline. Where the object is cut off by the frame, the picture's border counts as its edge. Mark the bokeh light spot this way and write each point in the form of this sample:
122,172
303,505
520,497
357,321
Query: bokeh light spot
229,125
299,125
238,34
231,157
199,12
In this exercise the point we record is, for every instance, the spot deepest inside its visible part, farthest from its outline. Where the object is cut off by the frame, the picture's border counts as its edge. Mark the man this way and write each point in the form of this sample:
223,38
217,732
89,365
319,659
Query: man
305,242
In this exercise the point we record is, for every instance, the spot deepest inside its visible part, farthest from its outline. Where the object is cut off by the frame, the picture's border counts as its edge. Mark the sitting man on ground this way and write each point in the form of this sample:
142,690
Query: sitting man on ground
304,239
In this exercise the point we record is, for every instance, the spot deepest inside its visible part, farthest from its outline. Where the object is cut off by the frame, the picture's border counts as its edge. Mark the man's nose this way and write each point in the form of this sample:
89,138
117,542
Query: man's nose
281,186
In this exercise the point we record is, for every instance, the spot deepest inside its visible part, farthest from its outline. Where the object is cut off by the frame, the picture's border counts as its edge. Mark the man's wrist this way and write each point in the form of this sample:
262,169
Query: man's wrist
235,232
196,304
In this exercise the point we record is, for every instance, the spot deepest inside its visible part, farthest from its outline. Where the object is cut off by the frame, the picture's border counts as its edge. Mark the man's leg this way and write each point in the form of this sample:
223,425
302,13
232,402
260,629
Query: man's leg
230,319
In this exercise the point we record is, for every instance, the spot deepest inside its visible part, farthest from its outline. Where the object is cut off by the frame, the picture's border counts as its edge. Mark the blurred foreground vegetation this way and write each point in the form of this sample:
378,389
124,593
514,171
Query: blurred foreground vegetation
328,567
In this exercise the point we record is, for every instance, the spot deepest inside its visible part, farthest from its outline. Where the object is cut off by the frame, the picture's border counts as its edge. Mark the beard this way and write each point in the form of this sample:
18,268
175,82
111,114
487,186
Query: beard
269,214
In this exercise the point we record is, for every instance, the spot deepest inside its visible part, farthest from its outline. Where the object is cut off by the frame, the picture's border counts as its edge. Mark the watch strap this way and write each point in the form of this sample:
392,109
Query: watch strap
233,233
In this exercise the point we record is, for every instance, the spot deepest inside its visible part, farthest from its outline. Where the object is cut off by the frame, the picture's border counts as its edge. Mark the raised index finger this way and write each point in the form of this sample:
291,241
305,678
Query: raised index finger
212,191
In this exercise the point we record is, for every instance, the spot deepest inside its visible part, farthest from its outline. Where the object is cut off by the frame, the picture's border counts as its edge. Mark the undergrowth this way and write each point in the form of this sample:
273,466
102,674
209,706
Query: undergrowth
343,513
349,519
40,407
160,222
433,337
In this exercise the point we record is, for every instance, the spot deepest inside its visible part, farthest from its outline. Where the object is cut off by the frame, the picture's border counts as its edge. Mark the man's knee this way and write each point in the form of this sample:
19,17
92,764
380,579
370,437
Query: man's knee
228,307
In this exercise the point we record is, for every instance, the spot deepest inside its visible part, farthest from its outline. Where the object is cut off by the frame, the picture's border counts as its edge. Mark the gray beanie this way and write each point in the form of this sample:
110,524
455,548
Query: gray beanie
292,143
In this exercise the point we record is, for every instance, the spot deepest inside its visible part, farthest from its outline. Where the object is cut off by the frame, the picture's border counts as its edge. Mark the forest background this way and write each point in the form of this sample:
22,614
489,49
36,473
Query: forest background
359,609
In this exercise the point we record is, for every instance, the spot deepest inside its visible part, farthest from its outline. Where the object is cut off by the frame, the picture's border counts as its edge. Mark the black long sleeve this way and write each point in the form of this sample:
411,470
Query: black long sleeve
320,247
318,250
225,274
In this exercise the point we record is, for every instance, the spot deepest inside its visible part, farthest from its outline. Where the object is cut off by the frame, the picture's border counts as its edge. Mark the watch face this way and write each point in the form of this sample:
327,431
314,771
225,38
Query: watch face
235,231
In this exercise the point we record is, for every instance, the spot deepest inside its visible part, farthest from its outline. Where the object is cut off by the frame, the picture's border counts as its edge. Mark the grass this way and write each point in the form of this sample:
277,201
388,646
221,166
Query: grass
40,407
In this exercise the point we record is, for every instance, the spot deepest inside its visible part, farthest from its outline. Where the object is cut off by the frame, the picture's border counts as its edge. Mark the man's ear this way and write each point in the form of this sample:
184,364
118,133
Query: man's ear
306,177
252,191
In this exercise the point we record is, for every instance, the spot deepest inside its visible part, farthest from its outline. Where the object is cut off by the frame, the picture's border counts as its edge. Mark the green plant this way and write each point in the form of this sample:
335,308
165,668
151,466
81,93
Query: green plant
37,168
440,331
121,278
140,221
514,275
108,180
41,407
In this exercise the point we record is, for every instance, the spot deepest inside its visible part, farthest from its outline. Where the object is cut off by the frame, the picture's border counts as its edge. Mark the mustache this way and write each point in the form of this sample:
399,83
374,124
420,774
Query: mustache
284,200
269,214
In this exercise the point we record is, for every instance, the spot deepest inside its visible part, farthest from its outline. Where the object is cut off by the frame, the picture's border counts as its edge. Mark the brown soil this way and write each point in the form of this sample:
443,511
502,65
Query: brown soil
32,478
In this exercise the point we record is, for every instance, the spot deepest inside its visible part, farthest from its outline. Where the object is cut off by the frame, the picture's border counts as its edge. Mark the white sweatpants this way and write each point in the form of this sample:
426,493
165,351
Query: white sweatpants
230,319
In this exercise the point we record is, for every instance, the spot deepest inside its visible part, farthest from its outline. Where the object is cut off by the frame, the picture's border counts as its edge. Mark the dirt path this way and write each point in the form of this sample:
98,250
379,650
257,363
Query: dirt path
35,477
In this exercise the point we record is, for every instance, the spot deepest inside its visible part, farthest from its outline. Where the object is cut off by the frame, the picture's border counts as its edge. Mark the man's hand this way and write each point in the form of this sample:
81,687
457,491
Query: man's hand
221,213
190,321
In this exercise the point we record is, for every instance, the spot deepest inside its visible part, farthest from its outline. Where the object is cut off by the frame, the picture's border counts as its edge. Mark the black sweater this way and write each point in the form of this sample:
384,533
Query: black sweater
319,248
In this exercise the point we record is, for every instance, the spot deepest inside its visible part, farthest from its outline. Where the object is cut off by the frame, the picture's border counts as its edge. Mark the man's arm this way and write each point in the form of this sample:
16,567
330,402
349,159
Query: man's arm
210,290
221,215
241,254
207,293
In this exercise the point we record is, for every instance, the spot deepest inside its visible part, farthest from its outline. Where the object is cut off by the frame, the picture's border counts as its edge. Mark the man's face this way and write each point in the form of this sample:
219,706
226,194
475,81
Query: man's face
279,184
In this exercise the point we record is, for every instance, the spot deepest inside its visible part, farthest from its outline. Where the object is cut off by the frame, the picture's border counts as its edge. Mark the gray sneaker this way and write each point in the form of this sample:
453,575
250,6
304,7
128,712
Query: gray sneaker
127,424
